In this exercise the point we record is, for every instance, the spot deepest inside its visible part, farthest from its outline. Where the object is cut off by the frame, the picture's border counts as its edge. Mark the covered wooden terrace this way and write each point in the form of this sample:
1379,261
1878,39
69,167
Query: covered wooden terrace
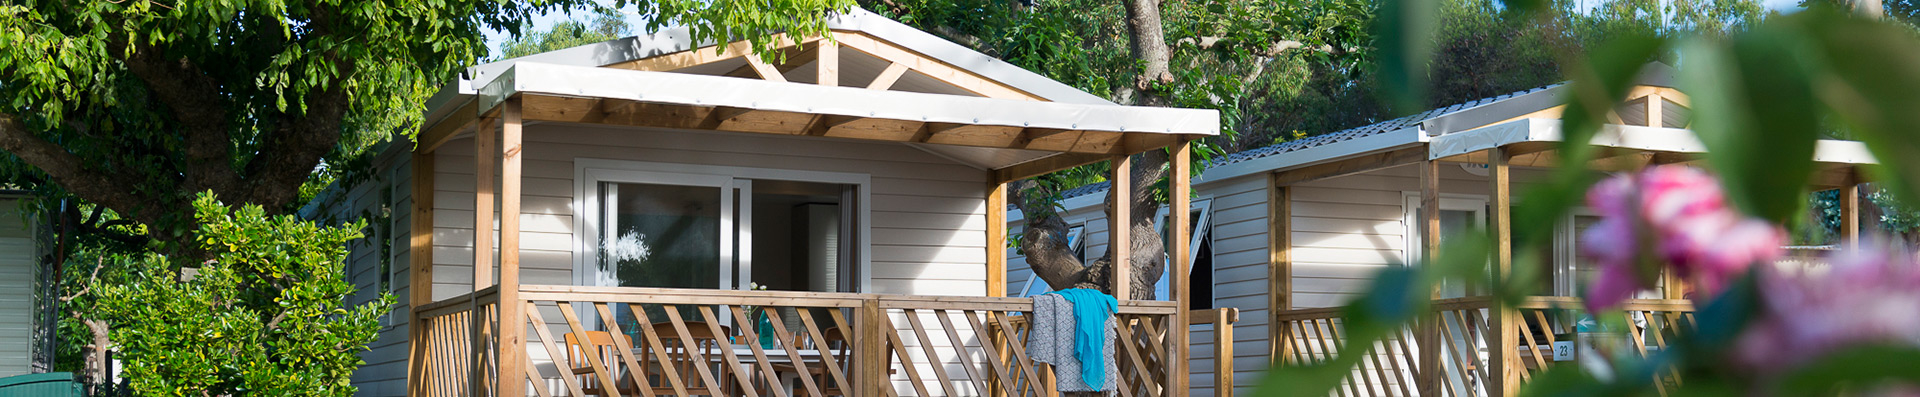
465,345
1478,348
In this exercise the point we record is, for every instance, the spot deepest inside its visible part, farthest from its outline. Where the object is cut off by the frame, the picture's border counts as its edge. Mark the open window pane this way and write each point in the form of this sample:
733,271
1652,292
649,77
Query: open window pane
661,235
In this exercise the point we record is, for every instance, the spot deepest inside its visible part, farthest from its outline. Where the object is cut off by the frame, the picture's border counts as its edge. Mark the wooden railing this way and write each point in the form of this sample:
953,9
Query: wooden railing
620,341
1013,333
457,340
1464,353
1222,320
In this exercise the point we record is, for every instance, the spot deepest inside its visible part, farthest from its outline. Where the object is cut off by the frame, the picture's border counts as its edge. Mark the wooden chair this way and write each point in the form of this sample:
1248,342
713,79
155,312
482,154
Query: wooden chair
681,362
833,342
602,346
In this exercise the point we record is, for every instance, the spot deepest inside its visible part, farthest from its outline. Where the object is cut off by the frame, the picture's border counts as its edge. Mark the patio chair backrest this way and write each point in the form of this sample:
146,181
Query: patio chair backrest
700,340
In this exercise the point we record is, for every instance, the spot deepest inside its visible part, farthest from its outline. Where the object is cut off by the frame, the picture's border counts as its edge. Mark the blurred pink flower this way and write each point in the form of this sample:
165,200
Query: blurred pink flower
1612,285
1685,217
1865,297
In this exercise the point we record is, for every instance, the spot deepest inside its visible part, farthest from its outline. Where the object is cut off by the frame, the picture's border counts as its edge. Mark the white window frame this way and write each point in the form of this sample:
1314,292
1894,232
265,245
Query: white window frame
1415,248
394,256
1566,240
590,172
394,243
1201,230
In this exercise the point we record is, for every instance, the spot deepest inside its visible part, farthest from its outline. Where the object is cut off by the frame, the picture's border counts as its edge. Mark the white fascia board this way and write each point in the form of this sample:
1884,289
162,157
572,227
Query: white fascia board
1488,137
1674,140
1842,152
1300,158
698,90
1671,140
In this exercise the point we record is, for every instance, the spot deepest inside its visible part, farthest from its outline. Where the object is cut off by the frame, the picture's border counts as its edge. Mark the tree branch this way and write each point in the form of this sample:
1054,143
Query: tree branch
70,172
88,287
1044,239
1279,46
289,152
196,103
292,150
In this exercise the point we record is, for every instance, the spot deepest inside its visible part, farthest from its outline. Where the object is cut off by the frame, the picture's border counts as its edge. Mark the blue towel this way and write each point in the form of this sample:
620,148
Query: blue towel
1090,312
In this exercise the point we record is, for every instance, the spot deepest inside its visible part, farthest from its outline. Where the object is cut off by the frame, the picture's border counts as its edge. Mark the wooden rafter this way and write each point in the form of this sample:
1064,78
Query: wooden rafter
766,70
791,58
827,55
887,77
936,69
1045,165
440,132
641,114
1669,94
808,49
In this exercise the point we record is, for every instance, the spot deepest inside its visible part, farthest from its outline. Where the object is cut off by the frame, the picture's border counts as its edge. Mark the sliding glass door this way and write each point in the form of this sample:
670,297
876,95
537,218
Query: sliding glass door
662,230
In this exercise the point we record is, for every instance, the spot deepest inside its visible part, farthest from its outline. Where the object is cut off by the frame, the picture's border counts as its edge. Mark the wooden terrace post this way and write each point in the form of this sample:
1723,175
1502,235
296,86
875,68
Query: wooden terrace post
996,257
1279,268
1223,350
484,152
996,237
870,349
1179,209
1429,326
1850,215
483,194
1120,227
420,269
1505,333
511,371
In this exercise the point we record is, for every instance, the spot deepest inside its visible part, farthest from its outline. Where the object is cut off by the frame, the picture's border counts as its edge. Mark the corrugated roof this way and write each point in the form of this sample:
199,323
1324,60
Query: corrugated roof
1336,136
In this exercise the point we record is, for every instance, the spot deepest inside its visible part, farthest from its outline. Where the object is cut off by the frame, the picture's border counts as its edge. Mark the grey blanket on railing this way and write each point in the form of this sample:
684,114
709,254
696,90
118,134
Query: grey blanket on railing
1051,342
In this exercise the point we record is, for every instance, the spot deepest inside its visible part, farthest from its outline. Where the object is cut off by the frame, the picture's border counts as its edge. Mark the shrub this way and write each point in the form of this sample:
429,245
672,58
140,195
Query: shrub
266,316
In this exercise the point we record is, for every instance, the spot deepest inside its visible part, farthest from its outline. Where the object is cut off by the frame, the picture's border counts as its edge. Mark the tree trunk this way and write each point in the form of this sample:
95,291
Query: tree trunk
94,373
1043,241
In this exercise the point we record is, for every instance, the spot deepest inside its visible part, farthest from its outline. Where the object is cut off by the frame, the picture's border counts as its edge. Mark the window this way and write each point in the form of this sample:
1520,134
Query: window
1573,271
688,226
1458,214
1199,256
382,237
391,241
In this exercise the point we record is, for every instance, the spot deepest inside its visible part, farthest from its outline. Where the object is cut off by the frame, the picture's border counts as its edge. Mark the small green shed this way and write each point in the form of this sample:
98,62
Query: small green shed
52,384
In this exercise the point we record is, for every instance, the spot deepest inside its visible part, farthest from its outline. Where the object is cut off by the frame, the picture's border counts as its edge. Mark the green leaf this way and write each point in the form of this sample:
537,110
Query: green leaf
1405,30
1857,369
1870,83
1562,381
1756,114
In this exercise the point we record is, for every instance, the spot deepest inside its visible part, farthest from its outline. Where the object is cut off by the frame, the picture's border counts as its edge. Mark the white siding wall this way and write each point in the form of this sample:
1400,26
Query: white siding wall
16,290
928,214
1344,230
385,371
1347,228
1240,280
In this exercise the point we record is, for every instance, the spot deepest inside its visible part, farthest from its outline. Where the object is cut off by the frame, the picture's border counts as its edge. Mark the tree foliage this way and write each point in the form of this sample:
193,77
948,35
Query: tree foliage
1277,70
137,105
263,317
